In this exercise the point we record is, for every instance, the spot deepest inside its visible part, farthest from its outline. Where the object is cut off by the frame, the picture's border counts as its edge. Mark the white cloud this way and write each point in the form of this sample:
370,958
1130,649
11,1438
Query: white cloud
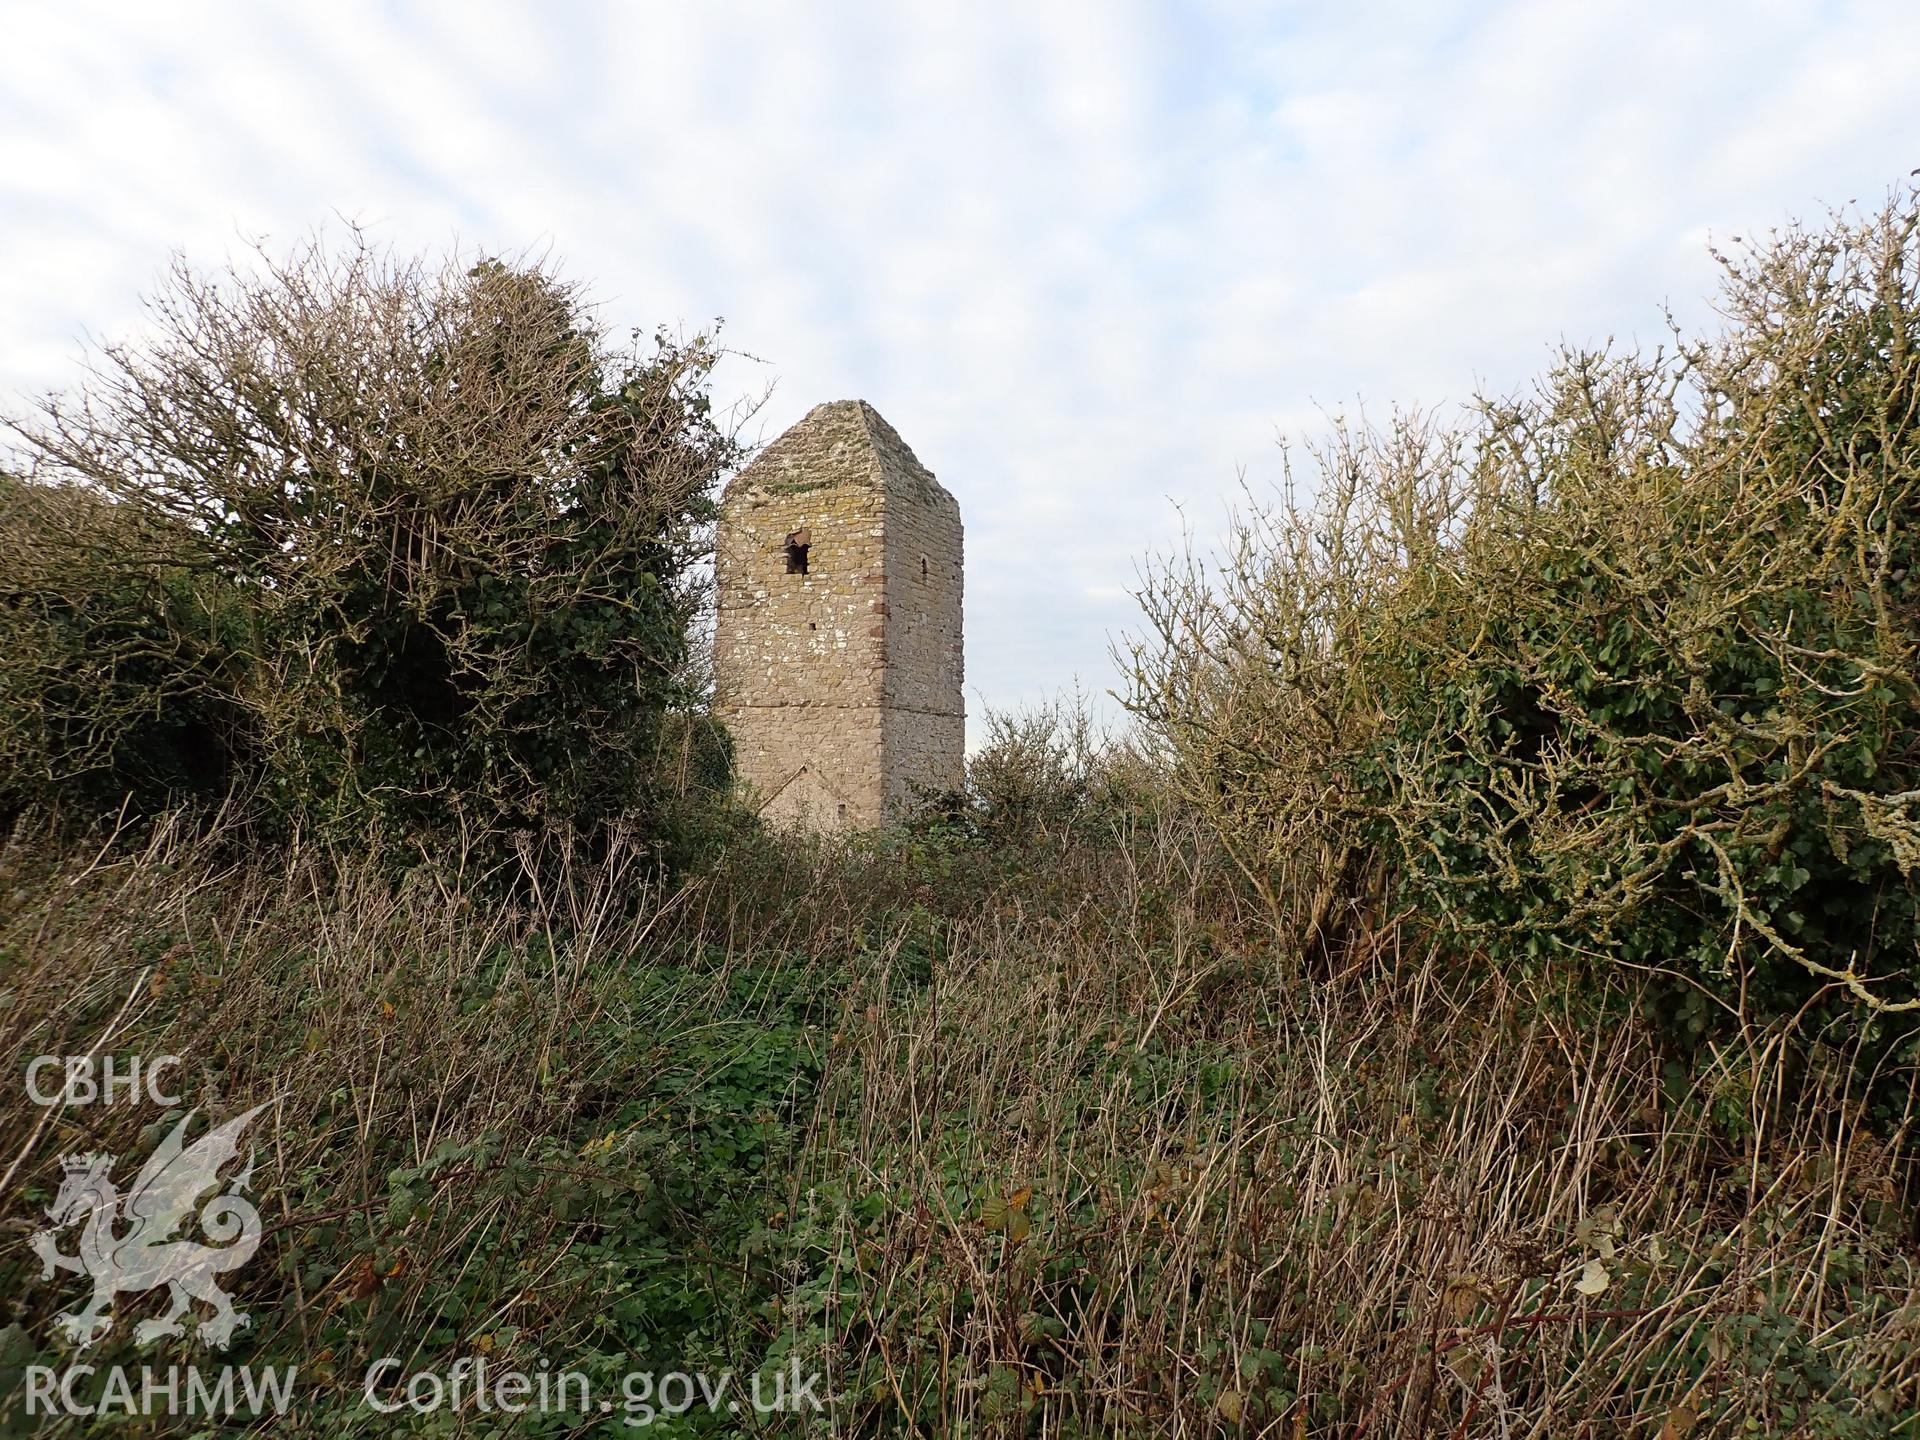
1086,256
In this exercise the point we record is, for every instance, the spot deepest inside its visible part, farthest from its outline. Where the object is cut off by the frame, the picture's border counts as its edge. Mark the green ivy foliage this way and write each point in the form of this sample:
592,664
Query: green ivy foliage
1621,670
465,533
120,661
1657,700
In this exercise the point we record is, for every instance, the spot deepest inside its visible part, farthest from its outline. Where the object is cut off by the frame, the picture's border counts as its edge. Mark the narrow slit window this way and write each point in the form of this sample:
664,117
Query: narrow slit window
797,545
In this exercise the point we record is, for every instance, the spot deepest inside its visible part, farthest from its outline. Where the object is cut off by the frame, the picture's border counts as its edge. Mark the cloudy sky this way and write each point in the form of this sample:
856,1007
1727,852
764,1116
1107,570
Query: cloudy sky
1089,258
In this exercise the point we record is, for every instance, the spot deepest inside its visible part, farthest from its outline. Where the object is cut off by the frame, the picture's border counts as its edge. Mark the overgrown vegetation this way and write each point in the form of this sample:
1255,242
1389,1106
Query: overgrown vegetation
121,663
997,1138
1623,670
1469,1005
397,553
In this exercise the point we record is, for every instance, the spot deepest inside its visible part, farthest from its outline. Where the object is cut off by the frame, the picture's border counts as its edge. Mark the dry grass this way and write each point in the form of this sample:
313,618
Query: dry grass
1059,1146
1139,1175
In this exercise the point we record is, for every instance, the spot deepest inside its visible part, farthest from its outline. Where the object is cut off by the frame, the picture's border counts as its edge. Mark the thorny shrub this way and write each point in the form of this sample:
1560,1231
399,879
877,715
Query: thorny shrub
1623,670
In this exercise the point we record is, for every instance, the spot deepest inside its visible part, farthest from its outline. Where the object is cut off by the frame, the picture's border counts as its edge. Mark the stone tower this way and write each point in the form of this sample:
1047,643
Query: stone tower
837,659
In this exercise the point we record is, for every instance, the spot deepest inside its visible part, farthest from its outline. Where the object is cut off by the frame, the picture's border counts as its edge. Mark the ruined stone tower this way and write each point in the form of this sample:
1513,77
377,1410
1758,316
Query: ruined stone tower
838,656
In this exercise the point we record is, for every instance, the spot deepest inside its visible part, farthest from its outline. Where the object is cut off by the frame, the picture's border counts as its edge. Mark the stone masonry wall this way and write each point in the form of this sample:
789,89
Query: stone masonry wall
841,687
925,722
